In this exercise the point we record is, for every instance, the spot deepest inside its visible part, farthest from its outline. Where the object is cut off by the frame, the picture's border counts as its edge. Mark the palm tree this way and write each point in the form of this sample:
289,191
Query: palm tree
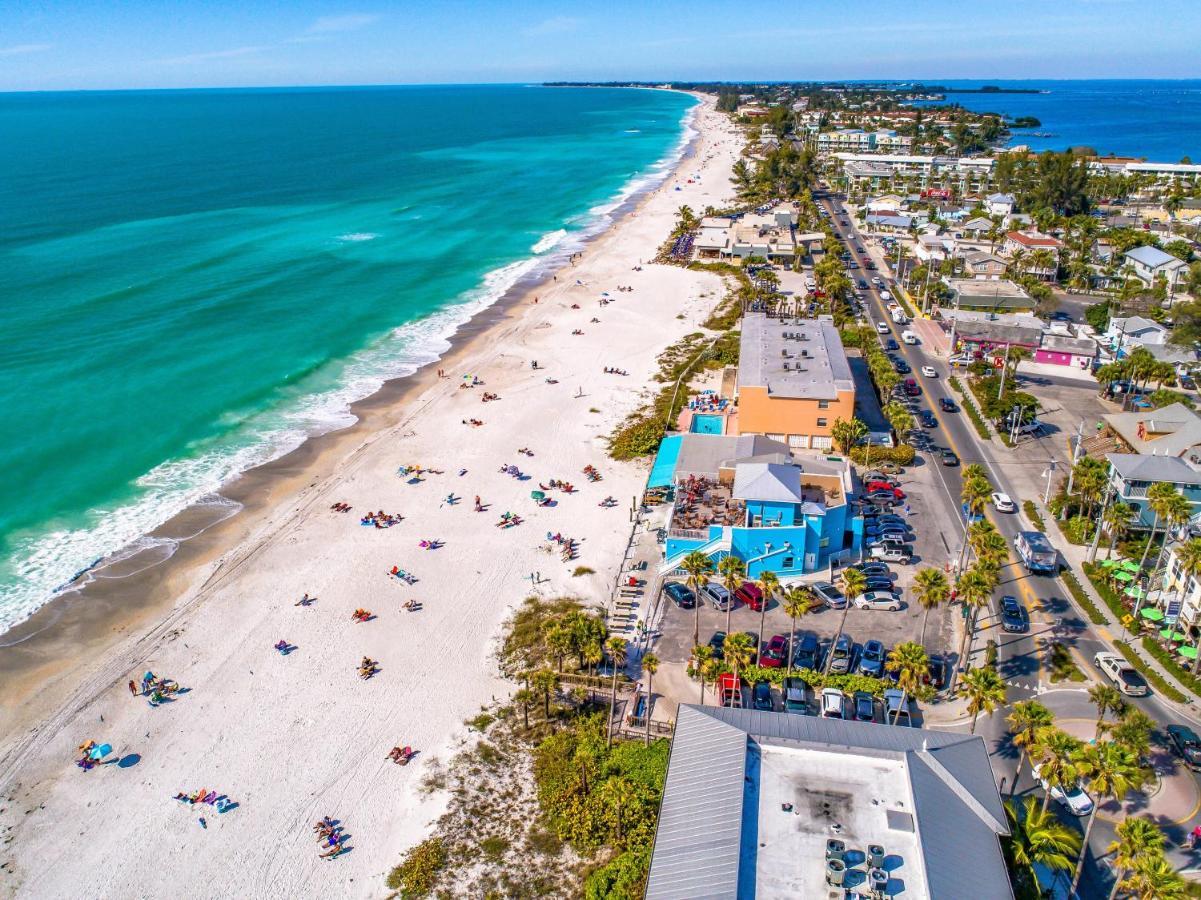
1133,731
912,665
975,589
701,654
731,569
1057,753
1153,878
697,566
768,584
1107,699
1117,521
1137,838
1037,837
1112,770
985,691
618,793
932,590
1161,499
797,602
854,583
739,651
650,665
594,654
1027,723
710,669
524,698
617,653
546,682
846,433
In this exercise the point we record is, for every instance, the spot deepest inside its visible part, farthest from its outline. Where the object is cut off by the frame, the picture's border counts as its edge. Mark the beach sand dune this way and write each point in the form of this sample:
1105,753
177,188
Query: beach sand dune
291,738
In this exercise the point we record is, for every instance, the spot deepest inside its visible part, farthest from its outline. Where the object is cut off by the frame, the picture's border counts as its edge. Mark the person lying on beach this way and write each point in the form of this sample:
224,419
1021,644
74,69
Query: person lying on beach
412,605
360,615
306,600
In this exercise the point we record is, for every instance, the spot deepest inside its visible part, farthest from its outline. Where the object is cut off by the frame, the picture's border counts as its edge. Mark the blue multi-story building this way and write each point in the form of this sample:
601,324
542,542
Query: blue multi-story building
1132,474
747,497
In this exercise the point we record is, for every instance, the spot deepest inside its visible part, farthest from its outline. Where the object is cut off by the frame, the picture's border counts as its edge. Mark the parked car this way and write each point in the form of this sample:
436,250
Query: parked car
948,458
795,696
1074,798
717,595
775,654
1014,617
895,532
927,419
929,372
872,569
729,690
878,583
833,704
680,595
806,652
882,328
946,404
840,654
750,594
901,367
878,600
865,707
1003,503
829,594
879,475
894,553
1186,745
896,708
871,659
862,285
910,387
882,498
761,696
890,468
873,486
1123,675
718,643
891,344
937,676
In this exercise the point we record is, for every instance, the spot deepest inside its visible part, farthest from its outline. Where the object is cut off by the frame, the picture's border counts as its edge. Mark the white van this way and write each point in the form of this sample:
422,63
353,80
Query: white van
909,337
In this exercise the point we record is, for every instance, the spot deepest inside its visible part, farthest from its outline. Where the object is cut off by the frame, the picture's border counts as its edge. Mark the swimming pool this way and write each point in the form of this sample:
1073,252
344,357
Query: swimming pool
707,424
665,461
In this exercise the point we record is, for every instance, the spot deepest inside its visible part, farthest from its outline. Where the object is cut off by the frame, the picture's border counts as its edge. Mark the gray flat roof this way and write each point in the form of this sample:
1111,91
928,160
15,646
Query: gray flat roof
811,349
990,293
751,798
706,454
1140,467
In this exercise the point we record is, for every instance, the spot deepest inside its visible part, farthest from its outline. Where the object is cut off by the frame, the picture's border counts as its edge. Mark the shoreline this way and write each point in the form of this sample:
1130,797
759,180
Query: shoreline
203,616
77,614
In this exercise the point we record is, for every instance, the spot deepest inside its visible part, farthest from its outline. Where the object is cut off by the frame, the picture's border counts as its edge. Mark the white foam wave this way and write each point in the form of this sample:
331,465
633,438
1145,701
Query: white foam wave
548,241
68,559
356,237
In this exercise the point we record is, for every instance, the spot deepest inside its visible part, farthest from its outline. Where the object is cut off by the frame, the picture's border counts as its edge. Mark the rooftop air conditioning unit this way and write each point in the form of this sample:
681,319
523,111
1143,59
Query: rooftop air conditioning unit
786,367
805,353
784,353
804,336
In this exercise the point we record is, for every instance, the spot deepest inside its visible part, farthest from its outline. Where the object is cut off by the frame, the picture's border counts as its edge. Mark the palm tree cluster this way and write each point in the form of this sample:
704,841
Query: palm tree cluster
1139,368
978,580
785,172
1108,768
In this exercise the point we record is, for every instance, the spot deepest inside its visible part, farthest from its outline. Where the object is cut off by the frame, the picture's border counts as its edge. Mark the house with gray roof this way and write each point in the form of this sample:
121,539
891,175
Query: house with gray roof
1151,263
1132,474
997,294
766,804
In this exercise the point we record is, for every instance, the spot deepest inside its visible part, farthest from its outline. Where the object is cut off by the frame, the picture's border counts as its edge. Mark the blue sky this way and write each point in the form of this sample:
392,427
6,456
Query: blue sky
68,44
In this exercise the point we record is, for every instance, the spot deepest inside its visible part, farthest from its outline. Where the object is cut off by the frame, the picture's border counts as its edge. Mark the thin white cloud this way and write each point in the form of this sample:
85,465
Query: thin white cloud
22,49
213,54
349,22
553,25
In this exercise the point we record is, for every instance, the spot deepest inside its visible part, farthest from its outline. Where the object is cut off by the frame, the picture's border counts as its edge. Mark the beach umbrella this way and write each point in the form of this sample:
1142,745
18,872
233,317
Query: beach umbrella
1151,614
1188,652
101,751
1169,635
537,495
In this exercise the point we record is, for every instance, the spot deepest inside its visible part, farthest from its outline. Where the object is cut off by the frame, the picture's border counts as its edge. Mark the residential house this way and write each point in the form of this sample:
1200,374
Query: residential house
1024,244
712,240
999,204
1150,264
1065,350
763,804
884,223
934,247
1180,595
977,228
1132,474
794,380
996,294
1126,333
1172,430
983,266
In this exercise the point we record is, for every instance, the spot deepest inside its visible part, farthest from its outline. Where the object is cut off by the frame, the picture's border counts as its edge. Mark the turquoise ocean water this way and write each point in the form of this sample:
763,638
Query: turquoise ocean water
194,281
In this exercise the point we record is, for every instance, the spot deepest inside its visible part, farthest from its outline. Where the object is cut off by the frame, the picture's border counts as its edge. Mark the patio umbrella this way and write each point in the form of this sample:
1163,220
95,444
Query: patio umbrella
1135,591
1110,563
1169,635
1151,614
1122,576
1129,565
1188,652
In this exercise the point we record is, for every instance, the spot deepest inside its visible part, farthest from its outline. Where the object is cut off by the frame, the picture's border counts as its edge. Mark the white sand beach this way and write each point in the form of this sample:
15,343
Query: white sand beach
292,738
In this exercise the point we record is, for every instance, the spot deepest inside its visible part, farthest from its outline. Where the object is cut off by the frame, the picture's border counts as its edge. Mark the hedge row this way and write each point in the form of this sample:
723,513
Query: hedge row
1033,515
1157,680
1083,600
974,414
901,455
817,680
1112,600
1168,661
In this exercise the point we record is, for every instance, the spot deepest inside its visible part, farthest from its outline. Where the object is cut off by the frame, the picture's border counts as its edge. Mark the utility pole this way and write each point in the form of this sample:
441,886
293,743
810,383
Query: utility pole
1004,369
954,324
1051,466
1092,548
1075,459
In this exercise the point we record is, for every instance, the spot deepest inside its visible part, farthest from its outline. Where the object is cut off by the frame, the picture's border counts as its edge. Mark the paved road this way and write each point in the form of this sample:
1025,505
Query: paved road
1021,658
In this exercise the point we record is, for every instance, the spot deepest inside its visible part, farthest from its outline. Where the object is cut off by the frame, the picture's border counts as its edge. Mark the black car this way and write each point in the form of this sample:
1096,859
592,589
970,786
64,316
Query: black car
879,583
806,652
1186,744
718,643
948,458
946,404
902,367
891,344
680,595
927,419
872,569
1014,617
937,676
761,696
862,285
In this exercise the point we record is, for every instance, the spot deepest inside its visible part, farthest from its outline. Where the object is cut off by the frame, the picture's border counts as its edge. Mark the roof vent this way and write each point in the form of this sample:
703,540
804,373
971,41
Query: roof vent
805,353
787,367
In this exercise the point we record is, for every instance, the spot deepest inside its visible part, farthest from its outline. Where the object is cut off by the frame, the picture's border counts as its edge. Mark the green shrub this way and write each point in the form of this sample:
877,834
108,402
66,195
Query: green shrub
622,878
415,876
901,455
1168,661
1101,586
817,680
494,847
1083,600
1078,529
582,570
639,436
1063,667
970,407
1154,678
482,721
1033,515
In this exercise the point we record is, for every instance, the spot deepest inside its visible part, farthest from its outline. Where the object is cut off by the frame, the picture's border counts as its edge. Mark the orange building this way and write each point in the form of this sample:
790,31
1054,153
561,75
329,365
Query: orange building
794,381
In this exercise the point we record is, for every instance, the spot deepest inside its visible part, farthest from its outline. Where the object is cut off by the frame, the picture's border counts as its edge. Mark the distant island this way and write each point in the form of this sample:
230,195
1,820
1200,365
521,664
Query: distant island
985,89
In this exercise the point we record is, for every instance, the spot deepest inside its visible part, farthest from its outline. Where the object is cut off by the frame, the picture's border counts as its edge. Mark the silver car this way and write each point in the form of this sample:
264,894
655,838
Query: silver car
717,595
829,594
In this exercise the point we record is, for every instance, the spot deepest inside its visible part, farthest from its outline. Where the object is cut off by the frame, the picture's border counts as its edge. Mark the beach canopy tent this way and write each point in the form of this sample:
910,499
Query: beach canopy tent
1151,614
101,751
1169,635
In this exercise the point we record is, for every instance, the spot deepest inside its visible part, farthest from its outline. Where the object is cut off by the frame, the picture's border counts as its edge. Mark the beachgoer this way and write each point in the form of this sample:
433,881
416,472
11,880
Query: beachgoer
132,688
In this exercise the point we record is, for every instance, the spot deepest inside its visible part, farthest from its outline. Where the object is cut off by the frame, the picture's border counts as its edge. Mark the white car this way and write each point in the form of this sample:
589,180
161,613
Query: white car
1123,675
929,372
832,703
878,600
882,327
1003,503
1075,798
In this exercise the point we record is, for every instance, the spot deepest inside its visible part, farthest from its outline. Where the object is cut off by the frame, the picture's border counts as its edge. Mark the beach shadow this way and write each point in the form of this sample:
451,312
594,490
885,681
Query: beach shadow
128,761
